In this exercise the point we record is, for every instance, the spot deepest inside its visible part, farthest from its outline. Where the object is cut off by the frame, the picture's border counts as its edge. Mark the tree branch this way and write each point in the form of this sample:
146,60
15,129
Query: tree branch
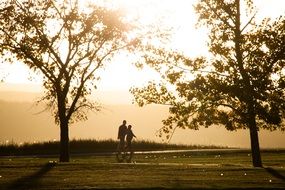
248,22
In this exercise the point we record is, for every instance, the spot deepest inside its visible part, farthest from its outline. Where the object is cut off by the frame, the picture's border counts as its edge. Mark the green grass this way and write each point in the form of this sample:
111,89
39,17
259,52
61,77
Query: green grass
197,169
87,146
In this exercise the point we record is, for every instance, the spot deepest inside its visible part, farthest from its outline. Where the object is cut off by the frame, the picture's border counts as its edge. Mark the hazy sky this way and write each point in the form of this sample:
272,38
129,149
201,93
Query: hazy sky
21,123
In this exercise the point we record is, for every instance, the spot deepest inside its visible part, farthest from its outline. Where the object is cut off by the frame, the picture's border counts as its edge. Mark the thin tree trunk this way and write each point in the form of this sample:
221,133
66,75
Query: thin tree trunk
64,142
254,141
255,151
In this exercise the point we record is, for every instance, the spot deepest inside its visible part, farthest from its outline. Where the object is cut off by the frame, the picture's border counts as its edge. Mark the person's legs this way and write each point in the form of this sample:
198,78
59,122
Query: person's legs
129,151
121,145
120,150
129,145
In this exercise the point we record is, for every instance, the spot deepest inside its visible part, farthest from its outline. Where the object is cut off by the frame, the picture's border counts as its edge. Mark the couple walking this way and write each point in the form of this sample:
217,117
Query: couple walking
125,133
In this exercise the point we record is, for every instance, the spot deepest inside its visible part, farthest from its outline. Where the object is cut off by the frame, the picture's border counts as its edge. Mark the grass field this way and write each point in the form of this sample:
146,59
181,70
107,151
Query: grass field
204,169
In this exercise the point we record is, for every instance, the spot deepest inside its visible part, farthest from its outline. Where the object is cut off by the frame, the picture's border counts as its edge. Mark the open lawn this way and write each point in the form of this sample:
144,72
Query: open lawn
211,169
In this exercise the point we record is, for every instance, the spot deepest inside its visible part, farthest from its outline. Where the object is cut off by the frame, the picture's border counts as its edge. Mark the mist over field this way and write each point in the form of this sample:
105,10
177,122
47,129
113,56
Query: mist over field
20,121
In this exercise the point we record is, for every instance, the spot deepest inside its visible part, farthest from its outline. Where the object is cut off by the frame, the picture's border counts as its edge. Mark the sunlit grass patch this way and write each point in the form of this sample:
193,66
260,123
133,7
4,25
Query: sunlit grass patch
168,171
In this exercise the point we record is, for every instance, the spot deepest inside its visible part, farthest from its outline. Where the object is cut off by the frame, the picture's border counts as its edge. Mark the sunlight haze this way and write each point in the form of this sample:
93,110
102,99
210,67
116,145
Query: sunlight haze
21,87
178,14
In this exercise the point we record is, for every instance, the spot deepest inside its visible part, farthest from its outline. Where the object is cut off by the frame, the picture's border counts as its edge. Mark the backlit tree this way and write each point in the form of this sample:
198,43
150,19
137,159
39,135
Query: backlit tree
240,85
68,45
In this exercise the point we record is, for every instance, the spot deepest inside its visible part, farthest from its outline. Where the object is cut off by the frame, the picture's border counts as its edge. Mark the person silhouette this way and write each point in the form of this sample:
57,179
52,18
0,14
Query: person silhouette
121,135
130,136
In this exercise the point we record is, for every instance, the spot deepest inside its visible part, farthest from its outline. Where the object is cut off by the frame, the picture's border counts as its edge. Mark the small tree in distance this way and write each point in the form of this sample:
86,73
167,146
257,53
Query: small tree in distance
241,86
68,46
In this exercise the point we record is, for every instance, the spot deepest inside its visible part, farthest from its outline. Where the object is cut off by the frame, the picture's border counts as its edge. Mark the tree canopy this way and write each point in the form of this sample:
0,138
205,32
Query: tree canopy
240,86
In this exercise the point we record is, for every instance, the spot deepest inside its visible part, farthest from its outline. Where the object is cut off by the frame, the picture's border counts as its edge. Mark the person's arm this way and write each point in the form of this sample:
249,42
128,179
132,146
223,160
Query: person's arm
134,135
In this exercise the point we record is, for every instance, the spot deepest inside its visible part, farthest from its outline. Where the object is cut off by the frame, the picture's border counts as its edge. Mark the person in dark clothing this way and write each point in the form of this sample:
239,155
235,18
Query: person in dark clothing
121,135
130,136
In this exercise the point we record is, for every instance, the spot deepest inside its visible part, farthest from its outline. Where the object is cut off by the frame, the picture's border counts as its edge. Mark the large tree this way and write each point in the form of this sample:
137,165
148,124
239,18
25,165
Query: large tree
240,85
68,45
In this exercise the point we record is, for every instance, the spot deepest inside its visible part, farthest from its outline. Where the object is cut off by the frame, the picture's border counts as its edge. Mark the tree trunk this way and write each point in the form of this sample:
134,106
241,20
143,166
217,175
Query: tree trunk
255,151
64,142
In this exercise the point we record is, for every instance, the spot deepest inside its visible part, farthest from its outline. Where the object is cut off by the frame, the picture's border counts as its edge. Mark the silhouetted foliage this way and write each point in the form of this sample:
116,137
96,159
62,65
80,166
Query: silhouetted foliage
68,45
240,86
87,146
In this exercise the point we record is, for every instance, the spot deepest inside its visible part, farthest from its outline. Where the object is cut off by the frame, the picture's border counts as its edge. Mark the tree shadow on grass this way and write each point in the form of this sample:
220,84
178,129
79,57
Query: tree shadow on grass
275,173
31,181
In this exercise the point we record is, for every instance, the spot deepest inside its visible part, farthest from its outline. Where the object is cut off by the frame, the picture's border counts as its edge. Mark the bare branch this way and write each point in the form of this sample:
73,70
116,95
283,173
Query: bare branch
248,22
201,71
